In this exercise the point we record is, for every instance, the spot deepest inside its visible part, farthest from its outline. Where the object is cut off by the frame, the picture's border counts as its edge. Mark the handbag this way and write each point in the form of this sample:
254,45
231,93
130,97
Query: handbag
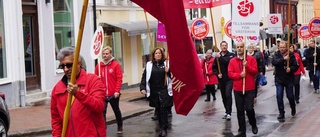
263,80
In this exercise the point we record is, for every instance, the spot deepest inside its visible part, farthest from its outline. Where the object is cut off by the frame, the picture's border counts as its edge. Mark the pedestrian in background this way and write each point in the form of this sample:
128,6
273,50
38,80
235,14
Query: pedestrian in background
240,70
85,118
312,53
210,79
256,54
266,55
156,84
111,77
225,83
297,74
284,78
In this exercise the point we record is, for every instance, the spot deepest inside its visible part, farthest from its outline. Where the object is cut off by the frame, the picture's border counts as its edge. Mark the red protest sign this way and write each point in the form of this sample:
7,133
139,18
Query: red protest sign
314,26
227,29
200,29
304,33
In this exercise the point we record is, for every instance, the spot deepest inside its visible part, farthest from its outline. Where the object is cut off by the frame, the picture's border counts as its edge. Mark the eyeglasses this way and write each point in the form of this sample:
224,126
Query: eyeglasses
68,65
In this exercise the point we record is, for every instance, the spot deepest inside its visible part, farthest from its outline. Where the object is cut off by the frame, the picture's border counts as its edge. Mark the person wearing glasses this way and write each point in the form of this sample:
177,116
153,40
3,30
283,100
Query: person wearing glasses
85,117
111,76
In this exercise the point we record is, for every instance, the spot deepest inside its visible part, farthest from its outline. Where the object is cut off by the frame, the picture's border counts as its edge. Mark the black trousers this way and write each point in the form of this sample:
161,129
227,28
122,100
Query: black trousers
244,102
211,89
297,86
114,102
226,94
162,114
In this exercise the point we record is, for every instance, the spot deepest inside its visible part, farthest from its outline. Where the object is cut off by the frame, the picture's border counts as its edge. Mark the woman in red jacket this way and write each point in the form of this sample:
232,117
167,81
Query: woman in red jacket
210,79
244,99
297,74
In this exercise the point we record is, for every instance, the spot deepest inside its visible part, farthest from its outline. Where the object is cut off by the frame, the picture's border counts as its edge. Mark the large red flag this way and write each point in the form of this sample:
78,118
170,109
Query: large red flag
190,4
184,62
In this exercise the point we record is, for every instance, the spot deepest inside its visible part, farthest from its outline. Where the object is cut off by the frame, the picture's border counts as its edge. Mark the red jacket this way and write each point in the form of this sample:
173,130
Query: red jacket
301,67
111,76
211,76
85,118
234,71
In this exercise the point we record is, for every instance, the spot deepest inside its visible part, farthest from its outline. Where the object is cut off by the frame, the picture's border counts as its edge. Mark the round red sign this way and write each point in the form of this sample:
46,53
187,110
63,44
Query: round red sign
200,29
97,43
227,29
314,26
304,33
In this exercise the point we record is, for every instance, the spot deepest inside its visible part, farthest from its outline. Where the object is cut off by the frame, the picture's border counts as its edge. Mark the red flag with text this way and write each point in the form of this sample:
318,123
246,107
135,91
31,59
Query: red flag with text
190,4
184,63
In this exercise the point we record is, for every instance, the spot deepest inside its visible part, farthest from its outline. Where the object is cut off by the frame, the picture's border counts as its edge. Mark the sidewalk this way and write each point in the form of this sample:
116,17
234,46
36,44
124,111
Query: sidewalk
29,121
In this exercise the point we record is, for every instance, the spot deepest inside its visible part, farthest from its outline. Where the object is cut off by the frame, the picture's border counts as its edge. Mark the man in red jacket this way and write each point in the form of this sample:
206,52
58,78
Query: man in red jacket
85,117
111,76
240,70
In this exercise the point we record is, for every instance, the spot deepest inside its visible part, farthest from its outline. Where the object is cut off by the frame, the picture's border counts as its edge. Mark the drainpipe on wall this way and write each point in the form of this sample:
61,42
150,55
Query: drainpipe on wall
22,93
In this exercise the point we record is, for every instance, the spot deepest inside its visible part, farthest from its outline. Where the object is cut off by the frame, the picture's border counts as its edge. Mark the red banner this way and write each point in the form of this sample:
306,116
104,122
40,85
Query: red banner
190,4
187,78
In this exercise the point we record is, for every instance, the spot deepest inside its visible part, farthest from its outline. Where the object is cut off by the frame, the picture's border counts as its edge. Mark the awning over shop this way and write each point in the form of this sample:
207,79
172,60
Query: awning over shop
134,27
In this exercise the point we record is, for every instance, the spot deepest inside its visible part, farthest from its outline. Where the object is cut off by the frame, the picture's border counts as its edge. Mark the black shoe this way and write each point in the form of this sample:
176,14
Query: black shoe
281,116
240,134
293,111
214,98
207,100
163,133
254,129
297,101
154,117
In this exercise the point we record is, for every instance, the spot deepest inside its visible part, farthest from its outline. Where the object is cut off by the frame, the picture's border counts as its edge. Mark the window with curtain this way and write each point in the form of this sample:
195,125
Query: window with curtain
3,59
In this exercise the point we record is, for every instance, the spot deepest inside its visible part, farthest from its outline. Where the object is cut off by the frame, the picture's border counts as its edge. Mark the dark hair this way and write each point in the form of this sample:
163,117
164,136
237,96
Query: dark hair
163,58
223,42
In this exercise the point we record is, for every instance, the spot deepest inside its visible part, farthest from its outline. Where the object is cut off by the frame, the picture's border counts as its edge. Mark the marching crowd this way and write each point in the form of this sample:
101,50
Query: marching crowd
243,73
239,72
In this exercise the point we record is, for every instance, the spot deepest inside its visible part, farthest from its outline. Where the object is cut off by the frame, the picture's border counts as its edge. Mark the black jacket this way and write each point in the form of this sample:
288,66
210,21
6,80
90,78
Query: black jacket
281,76
310,59
159,96
260,62
224,62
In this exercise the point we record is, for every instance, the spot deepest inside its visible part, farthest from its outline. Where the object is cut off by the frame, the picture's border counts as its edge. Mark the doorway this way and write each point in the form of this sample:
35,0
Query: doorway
31,47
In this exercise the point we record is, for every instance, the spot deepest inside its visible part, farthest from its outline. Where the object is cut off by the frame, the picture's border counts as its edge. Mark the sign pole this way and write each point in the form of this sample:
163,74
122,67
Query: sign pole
215,40
74,67
244,67
205,63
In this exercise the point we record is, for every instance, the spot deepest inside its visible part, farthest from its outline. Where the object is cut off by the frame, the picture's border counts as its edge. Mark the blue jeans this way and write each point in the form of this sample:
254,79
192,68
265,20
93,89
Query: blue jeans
290,95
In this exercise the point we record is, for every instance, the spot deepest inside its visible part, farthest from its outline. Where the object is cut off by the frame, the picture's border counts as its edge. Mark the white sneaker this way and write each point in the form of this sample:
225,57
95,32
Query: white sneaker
311,83
228,117
267,68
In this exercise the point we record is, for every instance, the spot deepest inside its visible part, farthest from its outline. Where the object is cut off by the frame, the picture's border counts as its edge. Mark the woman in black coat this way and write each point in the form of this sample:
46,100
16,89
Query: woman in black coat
156,84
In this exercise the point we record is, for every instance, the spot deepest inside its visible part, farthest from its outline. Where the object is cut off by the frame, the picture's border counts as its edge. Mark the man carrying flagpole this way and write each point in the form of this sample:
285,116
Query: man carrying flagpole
225,83
244,100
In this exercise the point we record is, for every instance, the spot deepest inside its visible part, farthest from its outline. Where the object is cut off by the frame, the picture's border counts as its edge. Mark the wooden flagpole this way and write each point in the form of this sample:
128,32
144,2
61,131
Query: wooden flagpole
289,26
150,37
215,41
74,66
244,67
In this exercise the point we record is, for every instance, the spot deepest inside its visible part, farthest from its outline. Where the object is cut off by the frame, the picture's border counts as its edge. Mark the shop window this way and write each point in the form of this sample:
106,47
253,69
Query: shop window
3,59
117,48
63,24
